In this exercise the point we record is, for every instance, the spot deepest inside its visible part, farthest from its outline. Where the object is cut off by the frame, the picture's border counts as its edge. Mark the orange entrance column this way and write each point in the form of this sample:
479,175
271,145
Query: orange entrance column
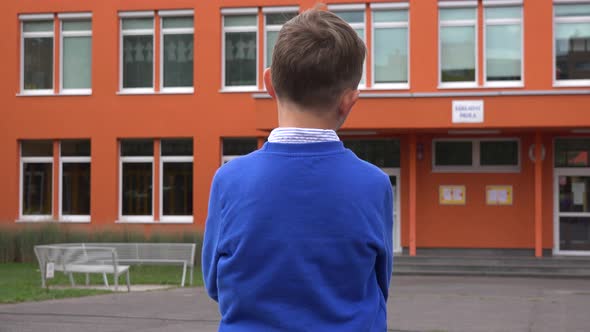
538,196
412,194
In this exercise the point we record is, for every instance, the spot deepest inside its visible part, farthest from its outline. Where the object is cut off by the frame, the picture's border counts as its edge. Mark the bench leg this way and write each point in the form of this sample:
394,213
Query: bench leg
70,274
116,277
87,279
191,281
128,282
183,275
106,280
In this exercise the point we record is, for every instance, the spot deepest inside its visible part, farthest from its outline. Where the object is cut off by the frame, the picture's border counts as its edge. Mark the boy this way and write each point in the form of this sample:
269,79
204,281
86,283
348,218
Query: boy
299,233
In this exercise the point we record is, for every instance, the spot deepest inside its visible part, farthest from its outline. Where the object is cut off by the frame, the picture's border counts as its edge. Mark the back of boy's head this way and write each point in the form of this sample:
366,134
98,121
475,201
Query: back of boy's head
317,57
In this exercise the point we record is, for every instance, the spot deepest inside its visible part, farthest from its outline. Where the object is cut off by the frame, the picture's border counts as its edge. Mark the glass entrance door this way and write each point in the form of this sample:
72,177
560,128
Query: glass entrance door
574,213
395,186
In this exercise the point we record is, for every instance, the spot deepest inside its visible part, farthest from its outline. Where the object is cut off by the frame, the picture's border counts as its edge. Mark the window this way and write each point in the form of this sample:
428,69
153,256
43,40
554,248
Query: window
36,185
75,180
572,43
235,147
274,18
137,52
177,53
176,167
37,33
503,45
390,45
478,155
355,16
240,51
572,152
458,44
381,153
136,180
76,53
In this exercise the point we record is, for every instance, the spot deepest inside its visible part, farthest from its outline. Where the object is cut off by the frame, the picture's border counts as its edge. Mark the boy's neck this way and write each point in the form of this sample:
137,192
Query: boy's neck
296,117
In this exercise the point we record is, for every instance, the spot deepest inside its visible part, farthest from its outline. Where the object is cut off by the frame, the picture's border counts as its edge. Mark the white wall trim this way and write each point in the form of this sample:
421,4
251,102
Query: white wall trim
502,3
74,16
345,7
239,11
137,14
180,12
391,5
35,17
456,4
280,9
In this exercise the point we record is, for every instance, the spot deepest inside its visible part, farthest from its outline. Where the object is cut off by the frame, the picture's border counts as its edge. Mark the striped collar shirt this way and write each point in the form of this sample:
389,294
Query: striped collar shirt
302,135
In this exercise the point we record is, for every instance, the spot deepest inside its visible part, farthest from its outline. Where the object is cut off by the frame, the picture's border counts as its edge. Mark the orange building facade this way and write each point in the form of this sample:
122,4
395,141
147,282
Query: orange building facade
119,113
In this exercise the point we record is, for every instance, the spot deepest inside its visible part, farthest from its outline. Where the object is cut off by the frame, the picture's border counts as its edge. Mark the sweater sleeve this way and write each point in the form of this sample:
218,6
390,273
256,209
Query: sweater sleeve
211,238
384,264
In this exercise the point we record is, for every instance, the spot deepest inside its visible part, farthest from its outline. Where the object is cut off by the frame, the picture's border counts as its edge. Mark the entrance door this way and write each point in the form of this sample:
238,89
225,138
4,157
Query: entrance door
394,178
572,217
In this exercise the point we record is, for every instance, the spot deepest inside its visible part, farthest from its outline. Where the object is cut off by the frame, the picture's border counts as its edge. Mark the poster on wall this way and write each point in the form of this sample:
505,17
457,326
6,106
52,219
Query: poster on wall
499,195
451,195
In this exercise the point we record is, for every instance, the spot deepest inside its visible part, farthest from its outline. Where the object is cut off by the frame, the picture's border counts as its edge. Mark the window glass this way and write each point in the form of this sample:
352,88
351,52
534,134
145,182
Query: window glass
381,153
240,58
137,189
503,12
572,153
77,62
75,188
38,26
138,23
453,153
391,55
138,61
75,148
239,146
178,189
572,49
239,20
279,18
503,52
137,148
38,63
177,147
37,148
566,10
178,60
390,16
458,54
37,188
271,40
177,22
499,153
352,16
457,14
76,25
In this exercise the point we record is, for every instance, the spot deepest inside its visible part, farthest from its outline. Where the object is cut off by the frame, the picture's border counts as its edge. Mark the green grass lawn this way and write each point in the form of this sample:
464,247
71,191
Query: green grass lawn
21,282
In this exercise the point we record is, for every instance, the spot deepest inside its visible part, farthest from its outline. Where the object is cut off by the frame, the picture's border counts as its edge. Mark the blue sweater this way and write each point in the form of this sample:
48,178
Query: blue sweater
299,238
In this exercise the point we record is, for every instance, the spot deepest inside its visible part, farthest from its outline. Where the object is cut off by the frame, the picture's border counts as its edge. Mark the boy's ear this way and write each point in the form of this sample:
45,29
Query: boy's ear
347,101
268,83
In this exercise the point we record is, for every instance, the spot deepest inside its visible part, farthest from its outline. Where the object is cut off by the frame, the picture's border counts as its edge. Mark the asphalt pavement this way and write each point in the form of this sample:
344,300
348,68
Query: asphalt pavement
417,304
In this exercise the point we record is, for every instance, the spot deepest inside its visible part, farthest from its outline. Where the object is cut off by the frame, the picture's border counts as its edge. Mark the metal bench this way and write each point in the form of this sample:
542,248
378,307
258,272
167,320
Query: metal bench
71,259
147,253
155,254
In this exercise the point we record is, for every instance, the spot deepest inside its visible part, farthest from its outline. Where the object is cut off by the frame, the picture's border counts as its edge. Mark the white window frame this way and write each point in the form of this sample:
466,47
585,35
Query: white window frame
459,23
137,32
163,14
352,8
574,19
476,167
238,11
29,18
501,22
81,33
33,160
274,27
131,160
390,6
78,218
188,219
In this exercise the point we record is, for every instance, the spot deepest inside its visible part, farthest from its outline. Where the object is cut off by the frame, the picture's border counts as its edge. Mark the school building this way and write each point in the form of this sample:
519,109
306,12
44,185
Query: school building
118,113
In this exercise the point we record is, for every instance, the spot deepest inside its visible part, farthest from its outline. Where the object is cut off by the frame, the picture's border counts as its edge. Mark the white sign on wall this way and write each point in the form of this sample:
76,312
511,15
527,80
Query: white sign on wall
468,111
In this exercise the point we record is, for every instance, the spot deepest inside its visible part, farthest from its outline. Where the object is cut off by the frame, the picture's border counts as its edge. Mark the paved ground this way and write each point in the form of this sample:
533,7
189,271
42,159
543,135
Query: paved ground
469,304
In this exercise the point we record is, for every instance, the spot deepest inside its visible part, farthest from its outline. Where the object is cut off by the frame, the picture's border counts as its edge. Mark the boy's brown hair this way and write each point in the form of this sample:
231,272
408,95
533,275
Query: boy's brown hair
316,57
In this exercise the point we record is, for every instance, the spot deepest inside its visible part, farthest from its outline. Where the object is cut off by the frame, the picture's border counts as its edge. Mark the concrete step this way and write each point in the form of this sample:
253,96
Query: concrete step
494,261
492,274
